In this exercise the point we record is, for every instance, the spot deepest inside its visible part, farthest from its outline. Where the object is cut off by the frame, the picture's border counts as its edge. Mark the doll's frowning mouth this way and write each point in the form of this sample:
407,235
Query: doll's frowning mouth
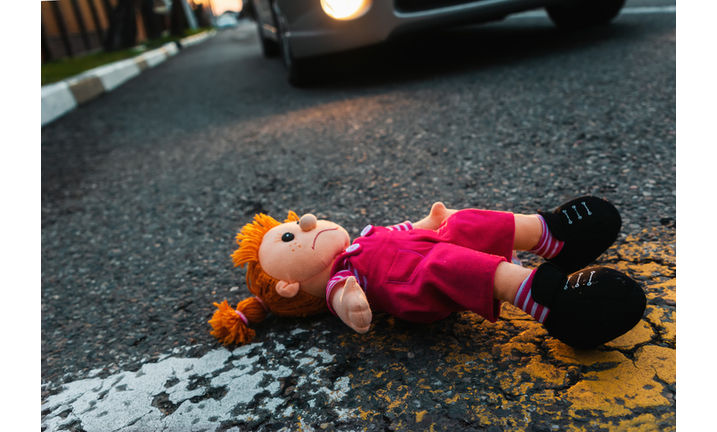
319,233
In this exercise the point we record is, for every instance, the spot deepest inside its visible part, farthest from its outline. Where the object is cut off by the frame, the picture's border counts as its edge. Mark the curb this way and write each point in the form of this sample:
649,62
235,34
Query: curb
64,96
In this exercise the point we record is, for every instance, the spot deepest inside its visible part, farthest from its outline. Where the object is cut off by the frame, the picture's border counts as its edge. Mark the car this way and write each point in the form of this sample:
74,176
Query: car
227,20
301,31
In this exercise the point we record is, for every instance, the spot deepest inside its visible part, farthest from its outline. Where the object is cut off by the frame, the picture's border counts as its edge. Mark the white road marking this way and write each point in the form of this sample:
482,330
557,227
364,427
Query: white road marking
649,10
199,392
643,10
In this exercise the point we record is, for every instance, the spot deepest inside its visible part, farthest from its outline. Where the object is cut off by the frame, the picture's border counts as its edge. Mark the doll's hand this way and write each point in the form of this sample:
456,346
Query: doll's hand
433,221
350,304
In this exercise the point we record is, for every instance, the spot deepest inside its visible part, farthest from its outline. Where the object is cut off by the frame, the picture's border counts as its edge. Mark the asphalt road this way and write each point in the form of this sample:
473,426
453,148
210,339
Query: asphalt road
144,189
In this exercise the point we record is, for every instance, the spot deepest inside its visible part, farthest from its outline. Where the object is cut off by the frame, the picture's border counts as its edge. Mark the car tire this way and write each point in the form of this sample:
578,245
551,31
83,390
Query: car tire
299,72
577,14
269,48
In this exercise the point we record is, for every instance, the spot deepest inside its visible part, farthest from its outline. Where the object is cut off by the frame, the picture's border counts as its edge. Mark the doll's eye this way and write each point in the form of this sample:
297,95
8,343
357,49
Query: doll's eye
287,237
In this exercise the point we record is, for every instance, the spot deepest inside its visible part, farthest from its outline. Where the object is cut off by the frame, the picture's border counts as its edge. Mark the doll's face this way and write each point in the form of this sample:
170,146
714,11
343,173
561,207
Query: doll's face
303,252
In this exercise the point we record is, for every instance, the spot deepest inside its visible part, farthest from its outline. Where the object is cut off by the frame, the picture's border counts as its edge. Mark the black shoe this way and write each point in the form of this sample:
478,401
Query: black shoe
587,226
590,307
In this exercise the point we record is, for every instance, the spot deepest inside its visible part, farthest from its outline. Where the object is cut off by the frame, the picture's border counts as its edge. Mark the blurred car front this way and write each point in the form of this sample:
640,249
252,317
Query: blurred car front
302,29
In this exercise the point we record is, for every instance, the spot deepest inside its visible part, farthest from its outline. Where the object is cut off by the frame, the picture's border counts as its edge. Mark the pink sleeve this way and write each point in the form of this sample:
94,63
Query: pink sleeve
406,226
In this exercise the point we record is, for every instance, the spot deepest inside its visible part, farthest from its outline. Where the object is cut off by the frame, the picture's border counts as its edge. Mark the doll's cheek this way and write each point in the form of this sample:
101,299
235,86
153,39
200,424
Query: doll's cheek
297,247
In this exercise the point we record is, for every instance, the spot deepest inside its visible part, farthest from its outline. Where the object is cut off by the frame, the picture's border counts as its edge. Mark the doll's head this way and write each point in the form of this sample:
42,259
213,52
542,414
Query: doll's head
288,266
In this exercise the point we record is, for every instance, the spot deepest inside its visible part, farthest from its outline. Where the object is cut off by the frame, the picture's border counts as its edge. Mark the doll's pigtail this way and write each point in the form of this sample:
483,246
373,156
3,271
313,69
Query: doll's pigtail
231,326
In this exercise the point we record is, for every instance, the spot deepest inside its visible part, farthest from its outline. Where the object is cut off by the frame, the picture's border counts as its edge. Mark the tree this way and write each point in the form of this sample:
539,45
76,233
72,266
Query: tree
153,22
182,17
122,32
247,10
203,15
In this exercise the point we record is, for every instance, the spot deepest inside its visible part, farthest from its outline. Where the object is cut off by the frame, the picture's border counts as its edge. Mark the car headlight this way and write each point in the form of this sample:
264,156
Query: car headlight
345,9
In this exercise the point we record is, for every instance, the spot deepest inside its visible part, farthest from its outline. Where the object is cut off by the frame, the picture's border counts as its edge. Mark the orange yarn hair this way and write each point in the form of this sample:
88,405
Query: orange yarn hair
229,325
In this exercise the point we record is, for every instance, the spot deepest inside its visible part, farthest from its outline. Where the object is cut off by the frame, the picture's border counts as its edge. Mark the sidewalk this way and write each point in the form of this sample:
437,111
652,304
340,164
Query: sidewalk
62,97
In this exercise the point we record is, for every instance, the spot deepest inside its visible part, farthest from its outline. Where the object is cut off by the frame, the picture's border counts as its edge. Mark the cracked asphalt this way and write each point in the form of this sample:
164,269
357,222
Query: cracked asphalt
144,189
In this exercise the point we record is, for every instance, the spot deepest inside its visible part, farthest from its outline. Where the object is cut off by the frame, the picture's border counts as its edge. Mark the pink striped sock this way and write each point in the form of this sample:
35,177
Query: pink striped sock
548,246
524,300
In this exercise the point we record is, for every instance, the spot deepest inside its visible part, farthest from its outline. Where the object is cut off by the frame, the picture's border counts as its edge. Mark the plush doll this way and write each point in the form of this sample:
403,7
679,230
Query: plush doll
449,261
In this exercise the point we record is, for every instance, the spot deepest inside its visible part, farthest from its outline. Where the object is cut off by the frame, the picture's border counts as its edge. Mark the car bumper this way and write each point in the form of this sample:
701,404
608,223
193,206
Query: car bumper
311,32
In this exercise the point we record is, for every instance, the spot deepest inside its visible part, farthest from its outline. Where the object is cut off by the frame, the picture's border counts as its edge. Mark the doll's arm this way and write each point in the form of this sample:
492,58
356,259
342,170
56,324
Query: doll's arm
433,221
350,304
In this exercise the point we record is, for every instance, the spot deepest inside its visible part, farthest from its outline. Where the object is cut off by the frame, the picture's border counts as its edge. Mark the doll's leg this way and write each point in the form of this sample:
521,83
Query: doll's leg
507,280
487,231
528,231
584,309
512,283
493,232
573,235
